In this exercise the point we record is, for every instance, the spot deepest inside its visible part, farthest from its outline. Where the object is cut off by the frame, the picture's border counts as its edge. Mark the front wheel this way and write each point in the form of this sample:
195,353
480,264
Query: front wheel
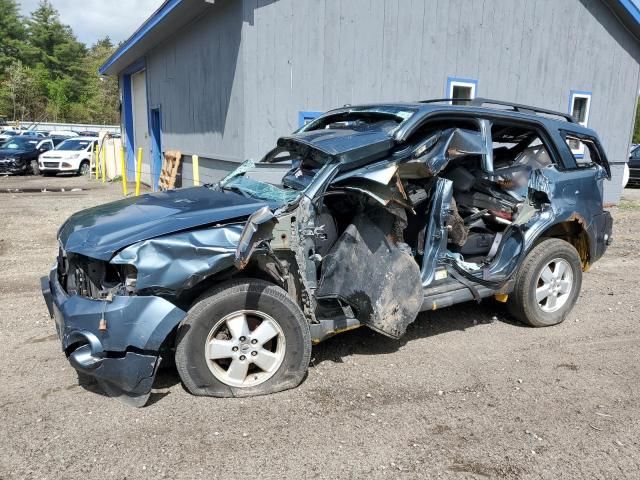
35,169
84,168
242,339
547,284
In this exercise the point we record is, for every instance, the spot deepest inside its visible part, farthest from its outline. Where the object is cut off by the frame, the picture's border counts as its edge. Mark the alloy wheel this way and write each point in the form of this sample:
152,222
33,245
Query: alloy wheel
245,348
554,285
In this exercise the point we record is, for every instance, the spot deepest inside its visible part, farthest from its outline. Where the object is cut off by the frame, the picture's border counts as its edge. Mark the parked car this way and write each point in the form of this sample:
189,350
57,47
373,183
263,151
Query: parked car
382,211
19,155
63,133
11,132
634,167
88,133
71,155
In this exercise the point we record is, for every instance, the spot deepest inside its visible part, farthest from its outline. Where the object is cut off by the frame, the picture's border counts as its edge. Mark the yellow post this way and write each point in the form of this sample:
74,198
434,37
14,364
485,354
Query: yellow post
123,168
96,163
103,163
138,171
196,170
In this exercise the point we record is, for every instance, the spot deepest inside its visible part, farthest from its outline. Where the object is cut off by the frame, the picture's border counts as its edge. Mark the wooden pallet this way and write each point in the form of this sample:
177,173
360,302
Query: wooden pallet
169,170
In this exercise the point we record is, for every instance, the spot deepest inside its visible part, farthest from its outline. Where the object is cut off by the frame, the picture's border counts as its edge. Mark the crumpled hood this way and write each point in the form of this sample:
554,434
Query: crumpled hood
101,231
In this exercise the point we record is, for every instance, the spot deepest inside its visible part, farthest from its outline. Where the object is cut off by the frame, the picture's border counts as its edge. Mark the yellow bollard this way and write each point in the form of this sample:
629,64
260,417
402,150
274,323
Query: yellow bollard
123,168
138,171
196,170
96,167
103,163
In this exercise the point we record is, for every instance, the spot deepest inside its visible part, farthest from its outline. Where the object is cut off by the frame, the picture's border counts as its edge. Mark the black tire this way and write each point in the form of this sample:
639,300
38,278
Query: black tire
522,301
245,294
85,164
35,169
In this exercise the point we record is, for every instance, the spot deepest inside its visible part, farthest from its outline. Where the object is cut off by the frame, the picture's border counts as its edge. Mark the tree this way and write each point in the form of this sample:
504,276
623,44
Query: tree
12,35
45,72
636,128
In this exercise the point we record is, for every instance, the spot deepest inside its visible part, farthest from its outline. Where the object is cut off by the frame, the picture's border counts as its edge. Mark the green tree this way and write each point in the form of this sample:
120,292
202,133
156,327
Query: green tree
46,73
12,35
636,128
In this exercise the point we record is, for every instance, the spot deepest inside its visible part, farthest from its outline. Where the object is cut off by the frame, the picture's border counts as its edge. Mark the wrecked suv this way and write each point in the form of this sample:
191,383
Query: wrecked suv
368,216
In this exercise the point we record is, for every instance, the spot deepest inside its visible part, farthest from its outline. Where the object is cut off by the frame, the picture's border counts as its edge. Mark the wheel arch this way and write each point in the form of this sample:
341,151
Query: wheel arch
573,231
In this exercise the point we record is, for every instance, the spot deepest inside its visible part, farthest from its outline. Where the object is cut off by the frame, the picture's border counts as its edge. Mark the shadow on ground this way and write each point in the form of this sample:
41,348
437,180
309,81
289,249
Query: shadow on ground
364,341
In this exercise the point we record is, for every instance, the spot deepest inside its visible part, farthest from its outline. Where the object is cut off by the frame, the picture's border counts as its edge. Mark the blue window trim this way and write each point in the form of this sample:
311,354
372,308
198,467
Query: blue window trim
572,94
305,116
148,25
451,80
632,8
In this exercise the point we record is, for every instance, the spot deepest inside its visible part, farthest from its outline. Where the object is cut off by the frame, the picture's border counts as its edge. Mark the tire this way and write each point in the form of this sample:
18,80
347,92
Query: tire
544,262
256,301
35,169
84,167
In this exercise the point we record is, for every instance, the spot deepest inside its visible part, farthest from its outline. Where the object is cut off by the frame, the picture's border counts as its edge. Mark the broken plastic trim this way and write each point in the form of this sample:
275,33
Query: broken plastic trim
257,229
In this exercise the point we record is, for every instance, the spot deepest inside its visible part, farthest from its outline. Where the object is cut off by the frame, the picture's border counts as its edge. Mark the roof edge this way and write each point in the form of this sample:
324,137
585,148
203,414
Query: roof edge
165,9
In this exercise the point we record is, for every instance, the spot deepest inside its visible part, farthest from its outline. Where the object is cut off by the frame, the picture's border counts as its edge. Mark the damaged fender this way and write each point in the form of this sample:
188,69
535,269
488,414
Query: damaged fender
179,261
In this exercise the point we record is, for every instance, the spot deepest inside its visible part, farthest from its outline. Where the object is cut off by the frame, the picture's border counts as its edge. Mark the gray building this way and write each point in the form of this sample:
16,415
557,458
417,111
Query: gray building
223,79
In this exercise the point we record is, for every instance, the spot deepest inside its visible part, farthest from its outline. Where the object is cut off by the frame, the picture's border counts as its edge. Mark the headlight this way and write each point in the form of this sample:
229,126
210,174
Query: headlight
75,155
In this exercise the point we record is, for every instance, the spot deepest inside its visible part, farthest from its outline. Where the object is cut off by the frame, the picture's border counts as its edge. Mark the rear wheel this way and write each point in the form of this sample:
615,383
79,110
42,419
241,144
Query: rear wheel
241,339
547,285
84,168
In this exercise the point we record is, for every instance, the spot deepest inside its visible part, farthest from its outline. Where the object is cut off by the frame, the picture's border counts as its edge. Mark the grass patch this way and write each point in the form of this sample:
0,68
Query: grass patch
628,205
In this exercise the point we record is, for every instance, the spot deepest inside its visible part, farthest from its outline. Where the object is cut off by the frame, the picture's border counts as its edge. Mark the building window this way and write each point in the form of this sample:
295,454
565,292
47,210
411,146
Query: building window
579,106
306,117
461,88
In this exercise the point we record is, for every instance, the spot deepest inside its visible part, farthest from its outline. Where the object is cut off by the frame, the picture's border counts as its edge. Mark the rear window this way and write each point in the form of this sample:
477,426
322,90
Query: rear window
384,118
586,151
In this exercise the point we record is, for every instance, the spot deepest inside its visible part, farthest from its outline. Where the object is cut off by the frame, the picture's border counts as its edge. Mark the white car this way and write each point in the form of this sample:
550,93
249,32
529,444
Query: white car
72,155
8,133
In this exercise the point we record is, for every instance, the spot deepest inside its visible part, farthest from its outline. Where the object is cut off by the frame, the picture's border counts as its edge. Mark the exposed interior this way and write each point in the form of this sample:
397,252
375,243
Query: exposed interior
484,203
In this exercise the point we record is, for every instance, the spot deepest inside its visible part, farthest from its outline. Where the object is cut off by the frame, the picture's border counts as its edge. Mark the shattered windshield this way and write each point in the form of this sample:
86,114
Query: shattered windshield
281,177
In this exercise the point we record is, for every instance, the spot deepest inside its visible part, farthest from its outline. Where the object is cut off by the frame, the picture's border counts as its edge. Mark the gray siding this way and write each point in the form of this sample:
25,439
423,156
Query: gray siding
234,80
197,80
320,54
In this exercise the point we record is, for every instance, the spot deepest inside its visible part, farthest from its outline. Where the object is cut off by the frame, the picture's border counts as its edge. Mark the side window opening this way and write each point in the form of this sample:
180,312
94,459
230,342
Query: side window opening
579,108
591,155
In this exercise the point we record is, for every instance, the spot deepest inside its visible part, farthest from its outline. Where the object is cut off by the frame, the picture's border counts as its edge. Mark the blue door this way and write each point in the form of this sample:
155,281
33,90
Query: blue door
156,146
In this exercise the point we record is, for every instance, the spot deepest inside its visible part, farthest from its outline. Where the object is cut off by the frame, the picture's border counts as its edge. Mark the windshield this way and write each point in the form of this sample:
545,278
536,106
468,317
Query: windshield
21,143
75,145
281,177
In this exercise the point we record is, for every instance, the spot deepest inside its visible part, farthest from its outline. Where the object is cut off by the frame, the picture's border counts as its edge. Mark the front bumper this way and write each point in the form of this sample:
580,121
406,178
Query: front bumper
56,165
12,167
124,356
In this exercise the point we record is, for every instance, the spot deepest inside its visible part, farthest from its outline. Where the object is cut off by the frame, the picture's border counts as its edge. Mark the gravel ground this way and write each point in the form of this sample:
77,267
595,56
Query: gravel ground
468,393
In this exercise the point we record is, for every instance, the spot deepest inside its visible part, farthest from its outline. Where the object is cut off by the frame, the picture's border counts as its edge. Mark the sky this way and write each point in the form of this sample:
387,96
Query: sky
93,19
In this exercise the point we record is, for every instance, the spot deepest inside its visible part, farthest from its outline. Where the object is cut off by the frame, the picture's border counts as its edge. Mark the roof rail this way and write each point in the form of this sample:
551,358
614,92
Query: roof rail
516,107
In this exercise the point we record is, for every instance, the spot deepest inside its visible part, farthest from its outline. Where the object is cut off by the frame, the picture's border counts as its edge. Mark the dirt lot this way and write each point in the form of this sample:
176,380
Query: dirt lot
467,394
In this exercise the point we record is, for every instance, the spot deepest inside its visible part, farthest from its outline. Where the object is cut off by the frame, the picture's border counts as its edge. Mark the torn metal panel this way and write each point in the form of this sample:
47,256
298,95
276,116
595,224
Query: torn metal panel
435,236
369,272
177,262
257,230
379,173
